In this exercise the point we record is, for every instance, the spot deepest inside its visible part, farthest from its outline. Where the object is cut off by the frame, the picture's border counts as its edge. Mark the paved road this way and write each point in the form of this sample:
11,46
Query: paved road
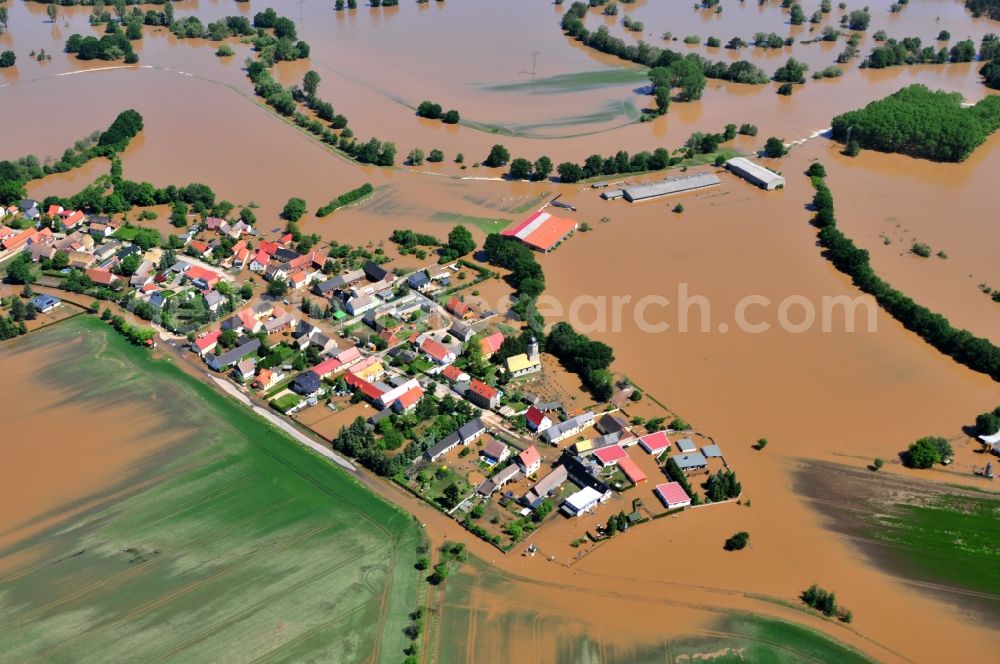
284,426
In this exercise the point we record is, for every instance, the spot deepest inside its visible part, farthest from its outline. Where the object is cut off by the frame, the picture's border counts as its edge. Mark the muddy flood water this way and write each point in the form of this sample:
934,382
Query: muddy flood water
834,395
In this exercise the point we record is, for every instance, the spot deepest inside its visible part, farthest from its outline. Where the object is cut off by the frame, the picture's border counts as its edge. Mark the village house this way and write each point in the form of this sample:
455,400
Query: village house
509,474
435,351
495,452
690,462
574,425
306,383
611,424
231,357
467,433
45,303
369,369
387,399
375,272
267,378
409,400
359,305
461,331
202,278
583,501
245,369
460,309
101,277
491,344
419,281
545,487
536,419
483,395
213,299
610,456
672,495
530,461
655,443
206,343
41,251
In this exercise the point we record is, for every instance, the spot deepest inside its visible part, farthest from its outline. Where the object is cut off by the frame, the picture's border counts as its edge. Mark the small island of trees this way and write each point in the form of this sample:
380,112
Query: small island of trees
921,123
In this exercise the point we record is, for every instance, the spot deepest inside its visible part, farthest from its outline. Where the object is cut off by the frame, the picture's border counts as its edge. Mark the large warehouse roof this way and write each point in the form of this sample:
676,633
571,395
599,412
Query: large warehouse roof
541,230
670,186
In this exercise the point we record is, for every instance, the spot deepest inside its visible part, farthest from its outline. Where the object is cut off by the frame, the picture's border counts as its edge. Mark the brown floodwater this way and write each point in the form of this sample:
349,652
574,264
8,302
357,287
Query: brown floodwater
835,396
62,449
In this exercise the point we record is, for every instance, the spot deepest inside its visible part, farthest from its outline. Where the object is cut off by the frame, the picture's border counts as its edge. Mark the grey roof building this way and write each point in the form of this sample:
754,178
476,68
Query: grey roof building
231,357
712,452
306,383
686,445
546,486
755,173
375,272
676,185
693,461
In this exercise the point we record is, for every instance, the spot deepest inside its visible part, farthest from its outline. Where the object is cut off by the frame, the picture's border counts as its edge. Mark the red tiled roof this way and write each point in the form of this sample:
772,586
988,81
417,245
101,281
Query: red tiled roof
410,397
491,344
370,390
73,219
269,247
456,306
262,257
610,455
672,493
451,372
264,377
285,239
436,350
199,246
196,272
534,416
207,339
483,390
529,457
327,366
102,277
541,230
631,470
54,210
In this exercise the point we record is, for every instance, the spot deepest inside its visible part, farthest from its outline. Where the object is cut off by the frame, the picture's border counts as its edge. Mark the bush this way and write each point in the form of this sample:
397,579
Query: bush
775,147
737,541
921,249
926,452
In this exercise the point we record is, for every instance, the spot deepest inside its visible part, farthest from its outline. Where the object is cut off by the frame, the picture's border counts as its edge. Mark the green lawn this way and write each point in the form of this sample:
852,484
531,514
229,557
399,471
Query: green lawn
232,544
286,402
485,225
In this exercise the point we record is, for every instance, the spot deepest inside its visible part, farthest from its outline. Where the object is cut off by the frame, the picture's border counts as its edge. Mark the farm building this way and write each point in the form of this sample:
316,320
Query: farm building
755,173
632,471
541,231
676,185
672,495
583,500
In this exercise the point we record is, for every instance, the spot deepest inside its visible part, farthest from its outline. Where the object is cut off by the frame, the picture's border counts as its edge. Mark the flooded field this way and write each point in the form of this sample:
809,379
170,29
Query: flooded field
838,396
155,519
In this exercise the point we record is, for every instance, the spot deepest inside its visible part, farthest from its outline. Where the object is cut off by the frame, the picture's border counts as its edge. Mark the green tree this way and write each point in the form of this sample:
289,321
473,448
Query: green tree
294,209
542,168
310,83
53,11
926,452
774,147
520,169
499,156
797,16
277,287
452,494
7,59
19,270
460,241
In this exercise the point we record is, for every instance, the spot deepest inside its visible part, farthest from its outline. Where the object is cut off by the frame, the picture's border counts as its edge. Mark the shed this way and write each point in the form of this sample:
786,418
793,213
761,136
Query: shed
755,173
632,471
675,185
712,452
45,303
686,445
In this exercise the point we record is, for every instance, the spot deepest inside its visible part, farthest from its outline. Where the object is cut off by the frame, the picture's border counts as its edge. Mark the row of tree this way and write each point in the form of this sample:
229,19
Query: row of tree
910,51
977,353
432,111
345,199
651,56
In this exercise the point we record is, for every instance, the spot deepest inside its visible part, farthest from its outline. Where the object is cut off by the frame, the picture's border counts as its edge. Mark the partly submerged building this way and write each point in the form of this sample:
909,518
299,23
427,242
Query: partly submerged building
675,185
541,231
755,173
